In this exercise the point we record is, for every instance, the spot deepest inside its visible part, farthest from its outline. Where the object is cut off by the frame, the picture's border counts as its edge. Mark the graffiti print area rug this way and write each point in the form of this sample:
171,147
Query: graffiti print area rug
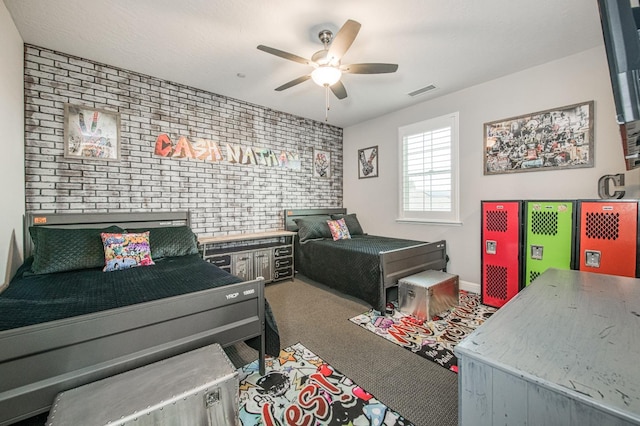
434,339
301,389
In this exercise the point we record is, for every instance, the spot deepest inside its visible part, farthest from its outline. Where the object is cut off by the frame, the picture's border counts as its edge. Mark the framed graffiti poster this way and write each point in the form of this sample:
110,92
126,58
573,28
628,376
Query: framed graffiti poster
321,163
368,162
559,138
91,133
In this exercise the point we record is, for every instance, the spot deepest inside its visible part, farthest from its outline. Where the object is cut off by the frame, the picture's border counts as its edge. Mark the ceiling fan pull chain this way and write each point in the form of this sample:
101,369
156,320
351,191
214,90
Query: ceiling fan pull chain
326,101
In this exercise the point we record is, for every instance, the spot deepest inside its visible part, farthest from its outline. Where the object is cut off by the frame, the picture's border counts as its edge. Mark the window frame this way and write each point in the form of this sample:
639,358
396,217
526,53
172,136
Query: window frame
452,217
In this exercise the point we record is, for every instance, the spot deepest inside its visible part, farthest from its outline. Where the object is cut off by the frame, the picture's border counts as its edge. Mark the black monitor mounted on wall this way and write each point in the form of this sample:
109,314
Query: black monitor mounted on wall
621,30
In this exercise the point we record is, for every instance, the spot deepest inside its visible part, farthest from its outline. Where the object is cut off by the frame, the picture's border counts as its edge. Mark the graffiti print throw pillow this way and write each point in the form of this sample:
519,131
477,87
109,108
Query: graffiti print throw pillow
339,230
123,251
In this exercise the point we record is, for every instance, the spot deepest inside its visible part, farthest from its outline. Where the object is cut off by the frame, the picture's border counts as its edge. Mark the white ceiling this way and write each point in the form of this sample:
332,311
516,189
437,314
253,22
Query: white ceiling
206,44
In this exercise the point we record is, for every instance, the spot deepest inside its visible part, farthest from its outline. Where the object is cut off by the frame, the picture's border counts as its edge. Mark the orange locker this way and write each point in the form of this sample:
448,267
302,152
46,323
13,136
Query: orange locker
608,237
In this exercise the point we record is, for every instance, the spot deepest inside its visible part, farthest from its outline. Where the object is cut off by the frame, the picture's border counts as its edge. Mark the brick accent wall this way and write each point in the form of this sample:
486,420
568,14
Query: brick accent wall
224,198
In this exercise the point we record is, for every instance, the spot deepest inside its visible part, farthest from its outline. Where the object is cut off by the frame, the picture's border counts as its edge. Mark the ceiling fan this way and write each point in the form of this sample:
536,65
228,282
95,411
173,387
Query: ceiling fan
327,65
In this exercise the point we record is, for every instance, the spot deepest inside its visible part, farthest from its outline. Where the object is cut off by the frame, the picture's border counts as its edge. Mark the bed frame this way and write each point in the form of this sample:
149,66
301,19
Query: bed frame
394,264
39,361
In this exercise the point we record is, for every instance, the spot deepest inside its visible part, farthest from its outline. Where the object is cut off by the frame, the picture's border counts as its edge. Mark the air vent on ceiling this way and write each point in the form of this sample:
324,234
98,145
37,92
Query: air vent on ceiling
422,90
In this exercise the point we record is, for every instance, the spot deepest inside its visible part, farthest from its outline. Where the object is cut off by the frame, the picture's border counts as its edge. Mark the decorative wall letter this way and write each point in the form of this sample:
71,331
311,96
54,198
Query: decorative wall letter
208,150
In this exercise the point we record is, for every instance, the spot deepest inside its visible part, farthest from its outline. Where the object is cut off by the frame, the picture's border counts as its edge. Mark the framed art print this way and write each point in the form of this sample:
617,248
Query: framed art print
368,162
91,133
558,138
321,163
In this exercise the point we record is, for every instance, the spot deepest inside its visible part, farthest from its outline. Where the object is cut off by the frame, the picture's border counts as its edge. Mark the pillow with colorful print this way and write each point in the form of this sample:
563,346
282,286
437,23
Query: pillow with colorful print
352,223
123,251
339,230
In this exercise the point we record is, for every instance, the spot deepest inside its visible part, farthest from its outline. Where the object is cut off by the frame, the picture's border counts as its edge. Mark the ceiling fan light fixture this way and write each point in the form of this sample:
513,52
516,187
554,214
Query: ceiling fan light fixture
326,75
327,62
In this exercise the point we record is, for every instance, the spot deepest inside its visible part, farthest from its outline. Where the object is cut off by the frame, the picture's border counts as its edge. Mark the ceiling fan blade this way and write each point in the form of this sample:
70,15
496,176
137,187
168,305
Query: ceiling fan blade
369,68
343,40
339,90
285,55
293,82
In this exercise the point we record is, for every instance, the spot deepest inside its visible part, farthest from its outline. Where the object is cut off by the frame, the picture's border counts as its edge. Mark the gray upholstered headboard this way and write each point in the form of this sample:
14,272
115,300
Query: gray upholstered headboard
101,220
290,215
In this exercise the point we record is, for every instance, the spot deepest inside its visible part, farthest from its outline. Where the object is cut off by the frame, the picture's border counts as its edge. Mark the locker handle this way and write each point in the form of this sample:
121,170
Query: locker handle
491,246
592,258
536,252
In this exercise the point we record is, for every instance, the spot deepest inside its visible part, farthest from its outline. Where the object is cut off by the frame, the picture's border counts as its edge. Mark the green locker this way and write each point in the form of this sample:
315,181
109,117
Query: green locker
548,237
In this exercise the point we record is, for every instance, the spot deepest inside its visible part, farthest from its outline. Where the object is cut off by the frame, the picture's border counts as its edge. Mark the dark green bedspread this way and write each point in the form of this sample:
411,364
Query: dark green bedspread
33,299
351,266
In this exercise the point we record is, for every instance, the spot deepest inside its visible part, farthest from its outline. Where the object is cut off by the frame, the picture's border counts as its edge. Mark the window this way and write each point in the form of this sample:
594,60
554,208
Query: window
429,170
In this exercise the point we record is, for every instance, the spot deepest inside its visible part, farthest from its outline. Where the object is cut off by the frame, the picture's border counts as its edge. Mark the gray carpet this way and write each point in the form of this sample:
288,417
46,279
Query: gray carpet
318,317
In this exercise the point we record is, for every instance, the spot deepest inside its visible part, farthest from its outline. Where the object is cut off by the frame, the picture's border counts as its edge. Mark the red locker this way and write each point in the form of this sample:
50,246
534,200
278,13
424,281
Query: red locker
502,235
608,237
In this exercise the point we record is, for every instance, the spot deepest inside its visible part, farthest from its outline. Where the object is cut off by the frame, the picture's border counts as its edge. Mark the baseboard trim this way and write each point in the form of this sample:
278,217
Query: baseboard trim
469,286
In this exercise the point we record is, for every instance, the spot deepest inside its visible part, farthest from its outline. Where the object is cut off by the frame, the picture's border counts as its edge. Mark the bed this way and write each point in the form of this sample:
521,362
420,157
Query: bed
63,325
364,266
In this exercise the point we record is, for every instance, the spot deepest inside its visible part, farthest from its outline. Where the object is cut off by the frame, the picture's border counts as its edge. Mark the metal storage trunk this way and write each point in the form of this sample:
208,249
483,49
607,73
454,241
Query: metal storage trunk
427,293
195,388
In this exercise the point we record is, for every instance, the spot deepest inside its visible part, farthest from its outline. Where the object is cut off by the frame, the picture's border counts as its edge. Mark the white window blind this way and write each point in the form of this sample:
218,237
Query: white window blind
429,170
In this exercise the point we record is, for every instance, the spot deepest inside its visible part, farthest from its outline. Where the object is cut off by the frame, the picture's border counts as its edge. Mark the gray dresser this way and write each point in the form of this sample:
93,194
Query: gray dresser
564,351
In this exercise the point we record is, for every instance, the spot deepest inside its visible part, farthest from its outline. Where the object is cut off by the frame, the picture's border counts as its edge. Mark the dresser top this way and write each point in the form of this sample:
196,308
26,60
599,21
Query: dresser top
575,332
245,237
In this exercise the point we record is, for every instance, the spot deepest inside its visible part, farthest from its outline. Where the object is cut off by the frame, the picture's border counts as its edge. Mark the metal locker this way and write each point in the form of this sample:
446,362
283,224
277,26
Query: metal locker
608,237
242,265
548,237
263,264
501,251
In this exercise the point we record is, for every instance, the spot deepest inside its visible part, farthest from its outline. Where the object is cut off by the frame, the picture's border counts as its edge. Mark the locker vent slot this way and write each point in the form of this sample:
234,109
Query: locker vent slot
497,221
544,223
496,284
533,275
602,226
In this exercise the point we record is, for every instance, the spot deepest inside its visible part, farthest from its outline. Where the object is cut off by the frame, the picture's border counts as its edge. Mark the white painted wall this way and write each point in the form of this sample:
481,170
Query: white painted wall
578,78
11,145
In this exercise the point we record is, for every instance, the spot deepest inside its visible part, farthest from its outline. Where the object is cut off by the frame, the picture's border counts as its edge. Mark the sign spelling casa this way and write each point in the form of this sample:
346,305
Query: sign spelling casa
208,150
